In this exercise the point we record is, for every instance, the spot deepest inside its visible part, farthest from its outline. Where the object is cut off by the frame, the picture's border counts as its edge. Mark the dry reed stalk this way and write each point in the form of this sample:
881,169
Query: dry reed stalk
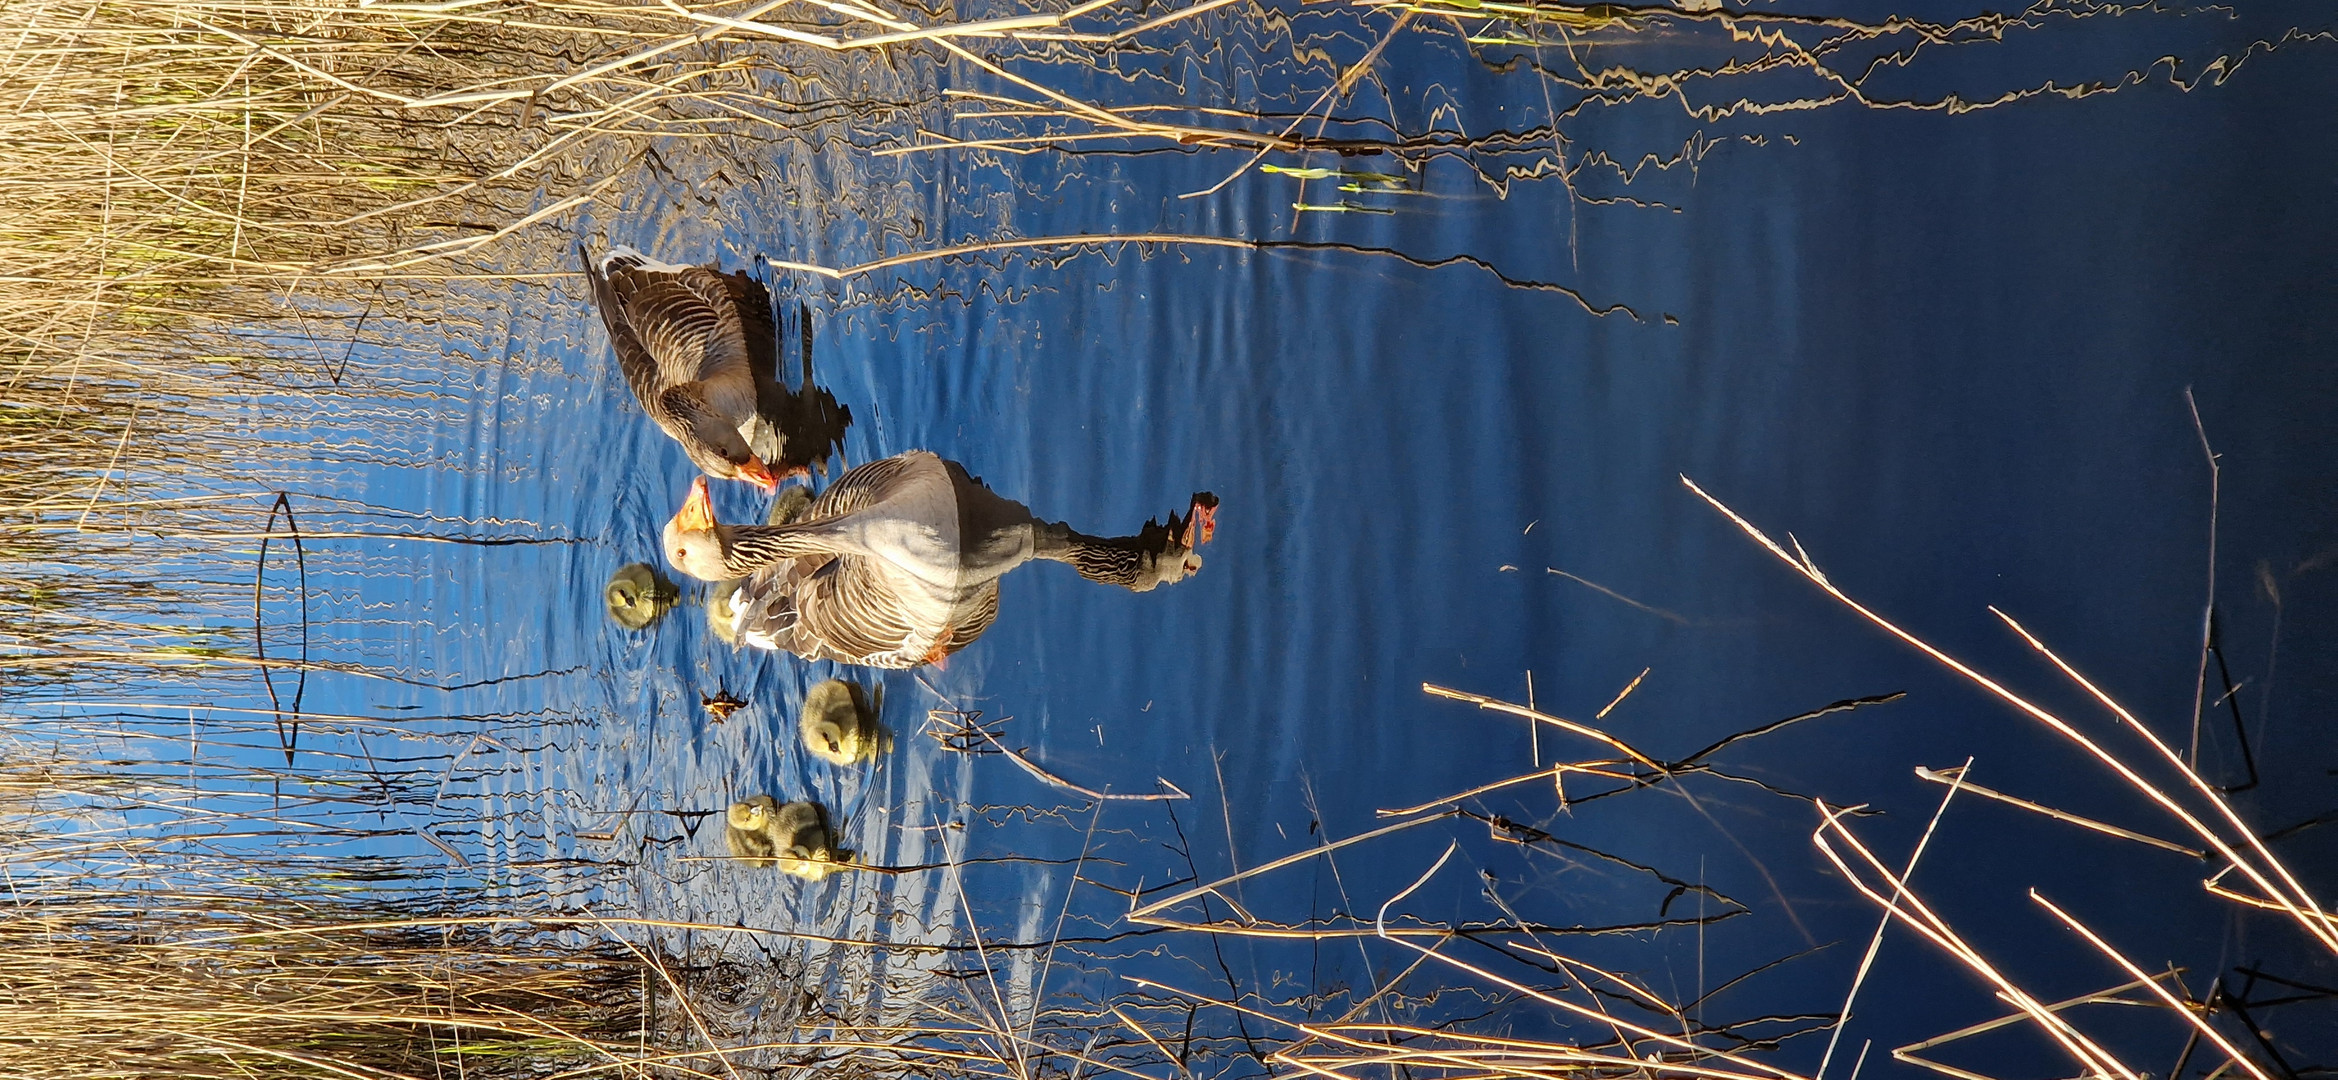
1352,1049
2242,849
1955,776
1905,905
1456,1055
2151,984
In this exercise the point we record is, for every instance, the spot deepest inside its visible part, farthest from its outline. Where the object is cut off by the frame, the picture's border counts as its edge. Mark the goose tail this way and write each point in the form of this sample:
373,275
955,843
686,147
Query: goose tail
626,257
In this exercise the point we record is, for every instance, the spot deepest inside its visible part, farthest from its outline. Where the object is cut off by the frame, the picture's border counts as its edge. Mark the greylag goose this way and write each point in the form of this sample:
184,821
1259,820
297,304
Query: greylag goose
839,725
699,349
762,831
897,563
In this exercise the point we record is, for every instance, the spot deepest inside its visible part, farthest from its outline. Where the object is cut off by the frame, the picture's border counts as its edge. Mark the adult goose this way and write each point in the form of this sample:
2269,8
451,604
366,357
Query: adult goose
699,349
897,563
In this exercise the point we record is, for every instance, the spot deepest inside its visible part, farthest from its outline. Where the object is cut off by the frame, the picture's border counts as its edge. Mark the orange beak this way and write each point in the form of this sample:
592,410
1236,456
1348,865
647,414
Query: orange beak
757,473
697,512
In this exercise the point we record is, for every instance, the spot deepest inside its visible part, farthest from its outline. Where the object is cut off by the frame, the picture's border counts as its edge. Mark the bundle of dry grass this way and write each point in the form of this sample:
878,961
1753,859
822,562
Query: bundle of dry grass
184,983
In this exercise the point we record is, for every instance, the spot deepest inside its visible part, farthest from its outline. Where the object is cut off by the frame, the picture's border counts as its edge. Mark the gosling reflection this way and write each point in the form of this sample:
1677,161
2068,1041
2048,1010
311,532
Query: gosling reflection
839,724
699,349
638,595
762,832
897,563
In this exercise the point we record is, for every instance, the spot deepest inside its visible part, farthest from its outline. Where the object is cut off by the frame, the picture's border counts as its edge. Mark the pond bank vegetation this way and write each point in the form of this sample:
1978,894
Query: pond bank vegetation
220,216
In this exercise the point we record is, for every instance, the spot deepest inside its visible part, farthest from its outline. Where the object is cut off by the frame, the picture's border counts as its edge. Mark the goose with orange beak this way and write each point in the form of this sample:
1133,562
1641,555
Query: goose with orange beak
698,348
897,564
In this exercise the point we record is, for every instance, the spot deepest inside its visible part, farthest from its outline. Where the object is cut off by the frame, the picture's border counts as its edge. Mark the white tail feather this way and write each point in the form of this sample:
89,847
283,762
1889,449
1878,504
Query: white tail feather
624,253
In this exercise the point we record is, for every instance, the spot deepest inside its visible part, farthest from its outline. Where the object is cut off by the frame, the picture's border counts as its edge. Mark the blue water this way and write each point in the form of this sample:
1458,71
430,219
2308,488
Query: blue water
1947,353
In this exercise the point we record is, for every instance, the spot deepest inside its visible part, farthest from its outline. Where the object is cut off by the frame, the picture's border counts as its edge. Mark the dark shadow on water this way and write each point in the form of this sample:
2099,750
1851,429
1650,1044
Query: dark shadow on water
809,417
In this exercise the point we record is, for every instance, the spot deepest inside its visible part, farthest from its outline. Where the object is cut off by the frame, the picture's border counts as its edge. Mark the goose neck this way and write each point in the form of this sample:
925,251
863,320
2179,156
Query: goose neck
748,548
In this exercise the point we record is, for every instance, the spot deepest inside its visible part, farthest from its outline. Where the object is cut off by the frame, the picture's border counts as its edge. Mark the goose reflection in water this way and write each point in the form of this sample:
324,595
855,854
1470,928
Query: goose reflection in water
897,564
699,349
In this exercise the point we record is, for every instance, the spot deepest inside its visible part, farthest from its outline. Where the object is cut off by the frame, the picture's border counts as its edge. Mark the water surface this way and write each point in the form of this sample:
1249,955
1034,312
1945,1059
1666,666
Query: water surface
1947,352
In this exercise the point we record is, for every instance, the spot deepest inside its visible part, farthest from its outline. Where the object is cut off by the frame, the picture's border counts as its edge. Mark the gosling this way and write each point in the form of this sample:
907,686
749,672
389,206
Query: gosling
795,836
638,595
839,725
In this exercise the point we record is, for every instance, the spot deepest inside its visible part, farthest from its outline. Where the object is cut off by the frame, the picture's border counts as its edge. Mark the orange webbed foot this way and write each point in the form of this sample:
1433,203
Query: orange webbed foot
939,657
1201,521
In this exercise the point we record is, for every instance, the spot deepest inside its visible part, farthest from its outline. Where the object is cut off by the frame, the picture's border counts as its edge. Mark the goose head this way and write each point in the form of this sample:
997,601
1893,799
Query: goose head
693,539
747,831
752,815
731,461
752,470
715,446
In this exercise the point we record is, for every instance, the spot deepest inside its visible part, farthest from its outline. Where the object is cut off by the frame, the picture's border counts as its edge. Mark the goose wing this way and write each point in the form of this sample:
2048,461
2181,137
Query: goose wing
763,609
824,607
852,609
759,335
865,485
675,325
633,357
763,421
